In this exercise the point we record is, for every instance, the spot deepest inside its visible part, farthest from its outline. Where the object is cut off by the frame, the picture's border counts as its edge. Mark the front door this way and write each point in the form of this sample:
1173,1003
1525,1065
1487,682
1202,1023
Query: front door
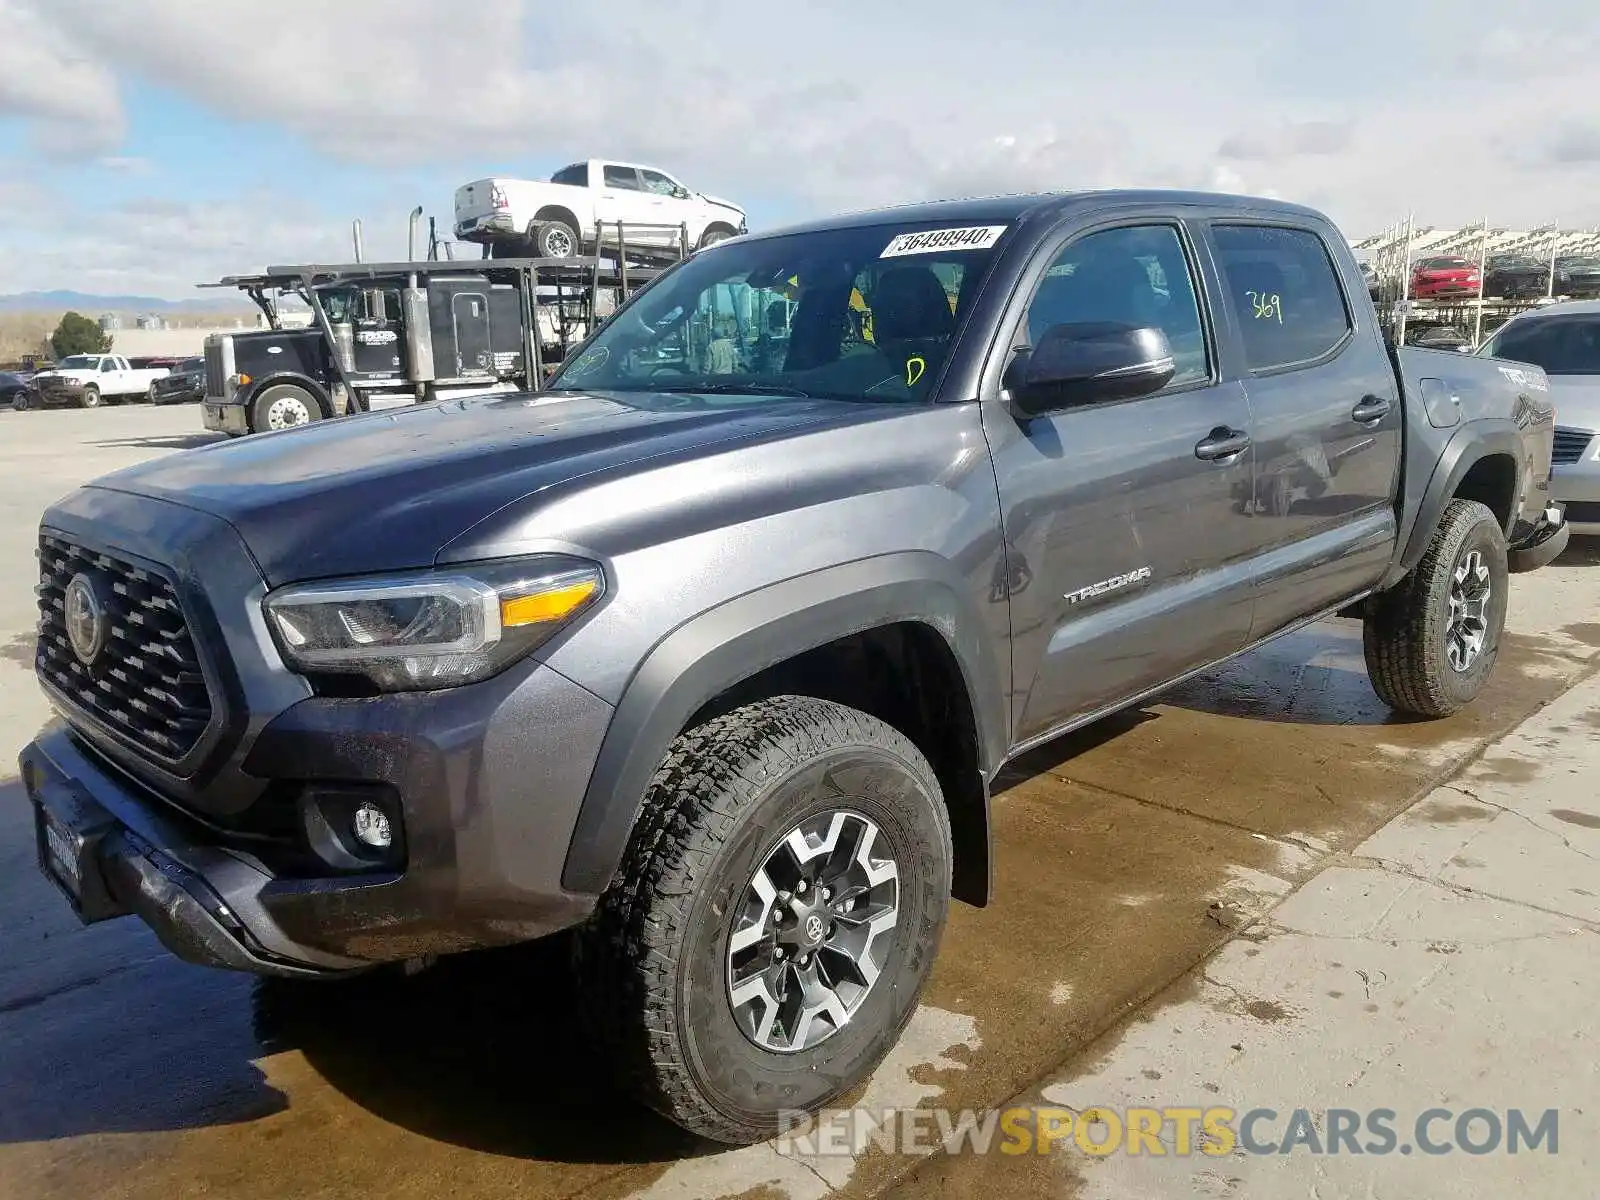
669,209
1126,523
1327,412
624,199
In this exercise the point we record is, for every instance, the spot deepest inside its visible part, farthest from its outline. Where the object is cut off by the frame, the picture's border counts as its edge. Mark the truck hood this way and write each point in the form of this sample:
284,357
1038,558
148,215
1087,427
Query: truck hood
721,203
388,490
79,376
1577,401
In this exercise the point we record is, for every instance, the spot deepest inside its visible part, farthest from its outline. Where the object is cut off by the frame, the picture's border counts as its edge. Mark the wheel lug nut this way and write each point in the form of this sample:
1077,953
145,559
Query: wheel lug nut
827,893
778,954
800,888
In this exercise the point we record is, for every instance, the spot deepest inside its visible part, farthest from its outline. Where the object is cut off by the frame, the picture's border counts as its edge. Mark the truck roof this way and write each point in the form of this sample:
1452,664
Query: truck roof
1046,205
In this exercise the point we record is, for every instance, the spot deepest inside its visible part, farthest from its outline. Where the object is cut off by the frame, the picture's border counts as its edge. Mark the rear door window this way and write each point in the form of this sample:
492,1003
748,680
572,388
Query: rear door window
623,177
1285,293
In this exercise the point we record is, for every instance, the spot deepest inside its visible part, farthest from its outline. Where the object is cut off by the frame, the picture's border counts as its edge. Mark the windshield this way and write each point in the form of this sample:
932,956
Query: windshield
866,313
192,364
79,362
1561,346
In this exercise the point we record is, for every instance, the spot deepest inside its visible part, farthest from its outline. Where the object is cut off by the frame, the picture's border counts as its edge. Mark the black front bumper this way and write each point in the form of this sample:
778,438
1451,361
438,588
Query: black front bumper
486,801
1543,544
180,395
112,857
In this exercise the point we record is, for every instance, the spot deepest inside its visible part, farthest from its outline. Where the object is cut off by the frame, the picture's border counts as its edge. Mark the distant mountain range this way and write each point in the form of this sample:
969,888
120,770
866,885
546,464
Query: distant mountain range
92,305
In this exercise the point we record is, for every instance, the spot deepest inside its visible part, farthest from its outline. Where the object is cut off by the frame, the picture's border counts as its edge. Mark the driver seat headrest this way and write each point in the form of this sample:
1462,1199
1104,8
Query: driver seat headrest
910,303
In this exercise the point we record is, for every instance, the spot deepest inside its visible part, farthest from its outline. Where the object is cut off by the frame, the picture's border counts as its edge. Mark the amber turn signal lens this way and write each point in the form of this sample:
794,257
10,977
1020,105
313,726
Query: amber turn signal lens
546,606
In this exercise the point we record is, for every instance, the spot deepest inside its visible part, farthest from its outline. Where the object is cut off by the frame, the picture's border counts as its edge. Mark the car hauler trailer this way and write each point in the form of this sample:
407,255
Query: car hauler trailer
394,333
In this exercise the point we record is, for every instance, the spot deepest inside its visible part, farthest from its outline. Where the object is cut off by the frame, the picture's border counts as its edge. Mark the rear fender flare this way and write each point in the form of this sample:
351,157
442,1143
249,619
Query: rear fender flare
1470,445
744,636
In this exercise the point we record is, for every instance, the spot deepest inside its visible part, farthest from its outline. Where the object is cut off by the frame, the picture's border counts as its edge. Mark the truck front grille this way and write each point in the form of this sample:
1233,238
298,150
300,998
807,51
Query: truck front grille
216,369
142,678
1570,445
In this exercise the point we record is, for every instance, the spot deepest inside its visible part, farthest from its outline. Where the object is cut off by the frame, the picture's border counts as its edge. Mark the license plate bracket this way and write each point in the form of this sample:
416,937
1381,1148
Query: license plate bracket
71,831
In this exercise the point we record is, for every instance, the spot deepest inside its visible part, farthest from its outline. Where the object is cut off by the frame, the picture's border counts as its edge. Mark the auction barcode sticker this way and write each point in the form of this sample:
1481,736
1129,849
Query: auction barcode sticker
971,237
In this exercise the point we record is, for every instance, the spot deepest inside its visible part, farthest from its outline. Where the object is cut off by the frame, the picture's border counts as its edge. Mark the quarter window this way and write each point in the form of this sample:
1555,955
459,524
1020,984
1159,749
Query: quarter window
1285,292
1137,276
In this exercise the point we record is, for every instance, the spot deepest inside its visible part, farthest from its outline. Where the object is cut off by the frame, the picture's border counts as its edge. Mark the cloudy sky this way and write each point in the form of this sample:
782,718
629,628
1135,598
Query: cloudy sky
147,144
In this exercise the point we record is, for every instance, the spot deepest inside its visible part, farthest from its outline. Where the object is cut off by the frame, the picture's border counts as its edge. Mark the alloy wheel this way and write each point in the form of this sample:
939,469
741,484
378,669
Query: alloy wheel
1471,590
813,932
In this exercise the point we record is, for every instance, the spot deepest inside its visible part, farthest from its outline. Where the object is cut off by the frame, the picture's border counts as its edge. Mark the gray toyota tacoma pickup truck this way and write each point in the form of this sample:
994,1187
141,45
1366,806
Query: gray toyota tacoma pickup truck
712,649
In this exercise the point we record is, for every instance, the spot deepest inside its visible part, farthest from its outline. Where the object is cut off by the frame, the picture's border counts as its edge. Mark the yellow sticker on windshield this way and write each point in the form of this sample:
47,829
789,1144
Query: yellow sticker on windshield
915,366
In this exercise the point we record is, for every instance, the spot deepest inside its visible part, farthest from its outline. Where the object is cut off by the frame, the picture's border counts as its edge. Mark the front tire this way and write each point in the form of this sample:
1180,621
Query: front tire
283,406
91,397
1432,640
774,918
155,396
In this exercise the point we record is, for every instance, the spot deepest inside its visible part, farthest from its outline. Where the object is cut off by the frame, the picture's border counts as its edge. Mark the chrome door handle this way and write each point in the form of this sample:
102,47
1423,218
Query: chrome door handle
1221,443
1371,410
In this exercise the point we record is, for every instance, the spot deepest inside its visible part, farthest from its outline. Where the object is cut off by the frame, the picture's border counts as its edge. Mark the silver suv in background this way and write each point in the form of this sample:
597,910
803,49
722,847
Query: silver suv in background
1564,341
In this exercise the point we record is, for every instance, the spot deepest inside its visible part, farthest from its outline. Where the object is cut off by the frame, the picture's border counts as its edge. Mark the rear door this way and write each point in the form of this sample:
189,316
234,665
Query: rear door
623,198
1327,416
1126,529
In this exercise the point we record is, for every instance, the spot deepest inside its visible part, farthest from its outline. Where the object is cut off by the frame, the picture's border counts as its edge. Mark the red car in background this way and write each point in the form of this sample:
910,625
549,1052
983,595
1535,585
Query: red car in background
1441,278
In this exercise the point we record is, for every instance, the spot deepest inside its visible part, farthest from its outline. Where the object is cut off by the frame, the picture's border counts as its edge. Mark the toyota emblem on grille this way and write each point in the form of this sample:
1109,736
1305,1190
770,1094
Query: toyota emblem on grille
85,620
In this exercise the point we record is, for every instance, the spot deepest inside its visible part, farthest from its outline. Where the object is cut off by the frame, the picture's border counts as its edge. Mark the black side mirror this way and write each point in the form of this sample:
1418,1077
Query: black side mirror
1089,363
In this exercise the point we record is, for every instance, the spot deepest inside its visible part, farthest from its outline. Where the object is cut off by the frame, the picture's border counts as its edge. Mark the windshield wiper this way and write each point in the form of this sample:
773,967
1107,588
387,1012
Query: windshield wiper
733,389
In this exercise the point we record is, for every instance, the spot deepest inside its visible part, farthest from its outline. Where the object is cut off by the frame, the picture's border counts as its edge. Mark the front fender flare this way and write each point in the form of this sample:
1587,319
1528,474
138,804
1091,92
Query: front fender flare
744,636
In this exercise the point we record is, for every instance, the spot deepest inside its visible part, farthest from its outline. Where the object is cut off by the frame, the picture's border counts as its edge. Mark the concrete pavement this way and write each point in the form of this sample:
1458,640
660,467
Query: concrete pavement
1450,961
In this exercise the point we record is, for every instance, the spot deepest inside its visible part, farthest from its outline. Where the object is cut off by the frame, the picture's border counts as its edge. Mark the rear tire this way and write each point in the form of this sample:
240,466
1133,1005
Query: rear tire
283,406
1432,640
555,239
703,972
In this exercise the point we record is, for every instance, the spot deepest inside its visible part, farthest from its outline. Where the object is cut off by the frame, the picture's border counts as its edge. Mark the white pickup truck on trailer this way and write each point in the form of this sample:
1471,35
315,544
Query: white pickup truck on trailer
89,380
559,219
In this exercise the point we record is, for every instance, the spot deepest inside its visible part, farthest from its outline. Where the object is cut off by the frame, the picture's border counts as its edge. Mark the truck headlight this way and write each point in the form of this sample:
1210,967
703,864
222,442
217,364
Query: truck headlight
431,629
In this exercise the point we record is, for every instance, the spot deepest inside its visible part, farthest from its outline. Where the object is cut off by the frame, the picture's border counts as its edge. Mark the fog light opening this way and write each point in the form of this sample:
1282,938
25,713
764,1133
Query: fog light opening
371,826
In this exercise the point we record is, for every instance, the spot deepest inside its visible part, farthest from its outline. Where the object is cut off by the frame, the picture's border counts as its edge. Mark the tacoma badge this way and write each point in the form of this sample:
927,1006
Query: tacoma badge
1108,585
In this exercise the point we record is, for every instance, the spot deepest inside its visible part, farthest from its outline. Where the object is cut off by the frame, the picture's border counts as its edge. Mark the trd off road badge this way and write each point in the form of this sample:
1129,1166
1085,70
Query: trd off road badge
1115,583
